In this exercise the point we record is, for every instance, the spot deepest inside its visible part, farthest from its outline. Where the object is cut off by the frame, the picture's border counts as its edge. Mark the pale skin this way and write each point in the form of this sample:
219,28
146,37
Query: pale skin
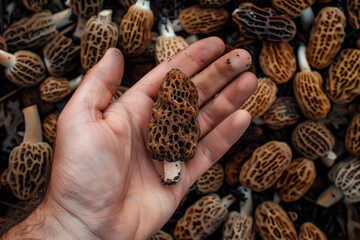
103,183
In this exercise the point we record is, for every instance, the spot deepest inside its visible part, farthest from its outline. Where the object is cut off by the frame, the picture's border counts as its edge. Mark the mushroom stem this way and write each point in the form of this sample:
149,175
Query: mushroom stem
330,196
176,25
80,27
246,202
227,200
303,62
165,28
74,83
7,59
105,16
329,158
145,4
307,18
33,132
62,18
172,171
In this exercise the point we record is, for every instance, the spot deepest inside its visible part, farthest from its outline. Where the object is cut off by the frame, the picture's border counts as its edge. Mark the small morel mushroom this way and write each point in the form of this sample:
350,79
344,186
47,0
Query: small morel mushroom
212,3
278,61
262,99
33,32
327,35
29,163
211,180
263,23
119,92
61,55
49,127
284,112
100,35
292,8
352,140
310,231
161,235
353,8
168,43
308,90
313,140
23,68
203,217
343,82
266,165
3,45
54,89
296,180
173,130
34,5
135,29
272,222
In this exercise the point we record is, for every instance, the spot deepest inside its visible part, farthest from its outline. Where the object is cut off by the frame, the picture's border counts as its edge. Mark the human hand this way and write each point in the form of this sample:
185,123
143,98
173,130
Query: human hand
103,182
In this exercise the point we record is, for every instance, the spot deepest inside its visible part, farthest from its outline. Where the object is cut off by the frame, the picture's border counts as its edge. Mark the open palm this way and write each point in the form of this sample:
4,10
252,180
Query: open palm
103,181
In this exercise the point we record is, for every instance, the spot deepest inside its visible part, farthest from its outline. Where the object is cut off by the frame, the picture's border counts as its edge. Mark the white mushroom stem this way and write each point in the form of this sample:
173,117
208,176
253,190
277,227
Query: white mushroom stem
329,158
62,18
165,28
176,25
172,172
227,200
105,16
192,38
33,132
246,204
74,83
302,60
330,196
80,27
145,4
307,18
7,59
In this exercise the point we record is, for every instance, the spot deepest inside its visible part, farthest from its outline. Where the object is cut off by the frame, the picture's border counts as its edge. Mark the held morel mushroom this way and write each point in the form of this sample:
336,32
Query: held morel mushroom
211,180
173,130
352,139
29,163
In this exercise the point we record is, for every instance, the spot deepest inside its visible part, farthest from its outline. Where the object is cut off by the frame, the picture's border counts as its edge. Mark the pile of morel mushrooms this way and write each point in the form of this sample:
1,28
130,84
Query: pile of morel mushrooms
294,174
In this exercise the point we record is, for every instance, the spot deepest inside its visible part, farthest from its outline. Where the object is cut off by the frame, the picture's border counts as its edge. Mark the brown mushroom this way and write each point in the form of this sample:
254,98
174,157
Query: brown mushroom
327,35
266,165
352,140
34,31
313,140
296,180
3,45
168,43
272,222
23,68
262,99
135,29
29,163
263,23
211,180
353,8
54,89
278,61
173,130
292,8
212,3
161,235
343,82
310,231
308,90
203,217
61,55
118,93
34,5
93,43
49,127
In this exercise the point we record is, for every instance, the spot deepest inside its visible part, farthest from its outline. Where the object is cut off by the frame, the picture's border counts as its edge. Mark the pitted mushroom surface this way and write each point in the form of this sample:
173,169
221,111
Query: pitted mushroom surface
310,231
211,180
161,235
352,140
291,8
353,8
34,5
49,127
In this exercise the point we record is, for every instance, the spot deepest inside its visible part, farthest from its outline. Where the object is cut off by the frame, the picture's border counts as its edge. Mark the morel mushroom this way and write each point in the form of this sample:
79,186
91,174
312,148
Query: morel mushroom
272,222
100,35
34,5
263,23
23,68
203,217
29,163
3,45
54,89
49,127
262,99
278,61
313,140
292,8
239,225
135,29
308,90
211,180
266,165
327,35
61,55
352,140
284,112
32,32
173,130
168,43
343,82
296,180
309,231
353,8
161,235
